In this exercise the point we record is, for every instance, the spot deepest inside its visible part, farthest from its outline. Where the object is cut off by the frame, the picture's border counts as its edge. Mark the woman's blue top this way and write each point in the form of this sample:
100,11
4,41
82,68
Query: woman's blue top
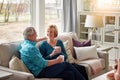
46,49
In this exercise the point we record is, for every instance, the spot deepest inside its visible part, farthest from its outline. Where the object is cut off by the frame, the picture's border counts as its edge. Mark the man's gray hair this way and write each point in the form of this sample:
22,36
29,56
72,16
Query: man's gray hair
28,31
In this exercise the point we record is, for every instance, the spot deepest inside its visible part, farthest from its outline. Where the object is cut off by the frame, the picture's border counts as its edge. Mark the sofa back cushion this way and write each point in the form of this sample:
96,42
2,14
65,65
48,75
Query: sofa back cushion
88,52
78,43
68,36
7,50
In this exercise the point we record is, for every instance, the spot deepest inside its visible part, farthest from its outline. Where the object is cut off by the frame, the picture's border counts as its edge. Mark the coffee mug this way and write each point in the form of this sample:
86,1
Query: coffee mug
57,48
62,56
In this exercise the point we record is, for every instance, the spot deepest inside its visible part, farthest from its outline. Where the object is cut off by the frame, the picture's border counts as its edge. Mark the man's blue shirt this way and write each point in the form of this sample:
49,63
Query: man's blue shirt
32,57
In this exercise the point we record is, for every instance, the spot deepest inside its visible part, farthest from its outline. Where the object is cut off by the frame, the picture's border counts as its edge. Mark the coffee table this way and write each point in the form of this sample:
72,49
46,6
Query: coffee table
103,76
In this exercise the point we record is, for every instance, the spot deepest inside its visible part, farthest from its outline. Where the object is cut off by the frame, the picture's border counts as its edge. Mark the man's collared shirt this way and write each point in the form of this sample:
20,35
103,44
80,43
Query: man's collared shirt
32,57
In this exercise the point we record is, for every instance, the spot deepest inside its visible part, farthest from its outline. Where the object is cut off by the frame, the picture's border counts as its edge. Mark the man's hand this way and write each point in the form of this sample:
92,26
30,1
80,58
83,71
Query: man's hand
60,58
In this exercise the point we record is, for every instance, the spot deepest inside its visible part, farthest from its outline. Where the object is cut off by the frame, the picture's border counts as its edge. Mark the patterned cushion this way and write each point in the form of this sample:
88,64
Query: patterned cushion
64,37
70,58
17,64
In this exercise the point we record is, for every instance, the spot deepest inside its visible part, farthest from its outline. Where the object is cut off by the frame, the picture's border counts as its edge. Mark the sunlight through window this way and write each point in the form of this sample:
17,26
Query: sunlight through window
14,18
53,13
108,4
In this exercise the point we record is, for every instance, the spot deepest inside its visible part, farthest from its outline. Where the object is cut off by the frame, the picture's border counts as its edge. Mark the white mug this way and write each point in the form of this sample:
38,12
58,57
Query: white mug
62,56
58,48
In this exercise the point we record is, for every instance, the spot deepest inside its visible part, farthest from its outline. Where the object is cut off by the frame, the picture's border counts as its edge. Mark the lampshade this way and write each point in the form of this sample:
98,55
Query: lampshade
94,21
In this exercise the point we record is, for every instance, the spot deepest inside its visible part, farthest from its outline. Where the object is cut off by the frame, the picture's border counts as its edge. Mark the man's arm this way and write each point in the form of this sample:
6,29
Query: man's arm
55,61
42,38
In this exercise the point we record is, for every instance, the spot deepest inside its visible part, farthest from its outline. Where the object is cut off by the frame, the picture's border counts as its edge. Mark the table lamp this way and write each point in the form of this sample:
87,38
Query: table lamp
92,22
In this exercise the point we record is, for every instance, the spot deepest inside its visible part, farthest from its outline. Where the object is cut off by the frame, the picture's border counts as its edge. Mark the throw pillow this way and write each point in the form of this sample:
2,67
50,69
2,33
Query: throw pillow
70,58
88,52
78,43
17,64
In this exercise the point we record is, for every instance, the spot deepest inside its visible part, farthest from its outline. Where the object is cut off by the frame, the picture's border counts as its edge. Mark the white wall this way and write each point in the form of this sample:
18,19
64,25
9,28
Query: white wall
79,5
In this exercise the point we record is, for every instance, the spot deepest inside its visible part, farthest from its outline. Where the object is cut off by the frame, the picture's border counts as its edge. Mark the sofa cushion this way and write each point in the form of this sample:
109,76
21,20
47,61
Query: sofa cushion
66,36
17,64
72,34
88,52
70,58
7,50
78,43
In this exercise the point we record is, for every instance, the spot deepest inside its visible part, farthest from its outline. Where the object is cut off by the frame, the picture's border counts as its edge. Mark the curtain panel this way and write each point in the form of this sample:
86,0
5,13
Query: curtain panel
70,16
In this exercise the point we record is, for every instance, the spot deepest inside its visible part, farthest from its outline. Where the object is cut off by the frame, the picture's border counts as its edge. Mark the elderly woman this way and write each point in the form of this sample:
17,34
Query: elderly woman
53,47
40,67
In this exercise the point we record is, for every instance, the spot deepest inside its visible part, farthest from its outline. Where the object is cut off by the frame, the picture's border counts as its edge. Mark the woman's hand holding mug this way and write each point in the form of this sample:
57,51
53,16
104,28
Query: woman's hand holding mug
57,49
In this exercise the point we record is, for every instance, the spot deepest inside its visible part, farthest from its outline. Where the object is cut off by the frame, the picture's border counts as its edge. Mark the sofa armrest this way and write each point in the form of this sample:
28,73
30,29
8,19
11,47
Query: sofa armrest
105,56
102,54
18,75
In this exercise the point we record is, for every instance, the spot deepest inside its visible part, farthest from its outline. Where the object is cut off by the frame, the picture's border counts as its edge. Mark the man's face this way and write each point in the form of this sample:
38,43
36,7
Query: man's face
34,36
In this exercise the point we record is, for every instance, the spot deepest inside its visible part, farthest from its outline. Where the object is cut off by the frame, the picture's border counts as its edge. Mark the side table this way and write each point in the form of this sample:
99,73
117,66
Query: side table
5,75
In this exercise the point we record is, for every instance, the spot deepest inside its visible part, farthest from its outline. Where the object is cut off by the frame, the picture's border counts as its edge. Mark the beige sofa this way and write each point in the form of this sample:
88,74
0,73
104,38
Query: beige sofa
7,50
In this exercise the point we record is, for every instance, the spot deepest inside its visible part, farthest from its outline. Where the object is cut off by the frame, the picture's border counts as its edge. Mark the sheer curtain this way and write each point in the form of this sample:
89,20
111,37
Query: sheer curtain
70,16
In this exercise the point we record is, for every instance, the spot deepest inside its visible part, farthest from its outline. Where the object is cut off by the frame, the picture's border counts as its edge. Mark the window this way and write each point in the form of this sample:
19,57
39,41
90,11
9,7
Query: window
53,13
14,18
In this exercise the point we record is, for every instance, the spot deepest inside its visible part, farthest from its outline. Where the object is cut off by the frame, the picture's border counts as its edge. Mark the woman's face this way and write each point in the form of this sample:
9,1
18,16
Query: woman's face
50,33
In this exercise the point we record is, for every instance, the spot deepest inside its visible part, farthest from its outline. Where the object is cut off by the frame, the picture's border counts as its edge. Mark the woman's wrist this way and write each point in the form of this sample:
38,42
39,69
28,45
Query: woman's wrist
51,54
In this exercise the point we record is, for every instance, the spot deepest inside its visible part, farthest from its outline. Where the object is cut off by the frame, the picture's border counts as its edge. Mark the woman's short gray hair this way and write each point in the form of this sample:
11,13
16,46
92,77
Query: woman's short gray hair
28,31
